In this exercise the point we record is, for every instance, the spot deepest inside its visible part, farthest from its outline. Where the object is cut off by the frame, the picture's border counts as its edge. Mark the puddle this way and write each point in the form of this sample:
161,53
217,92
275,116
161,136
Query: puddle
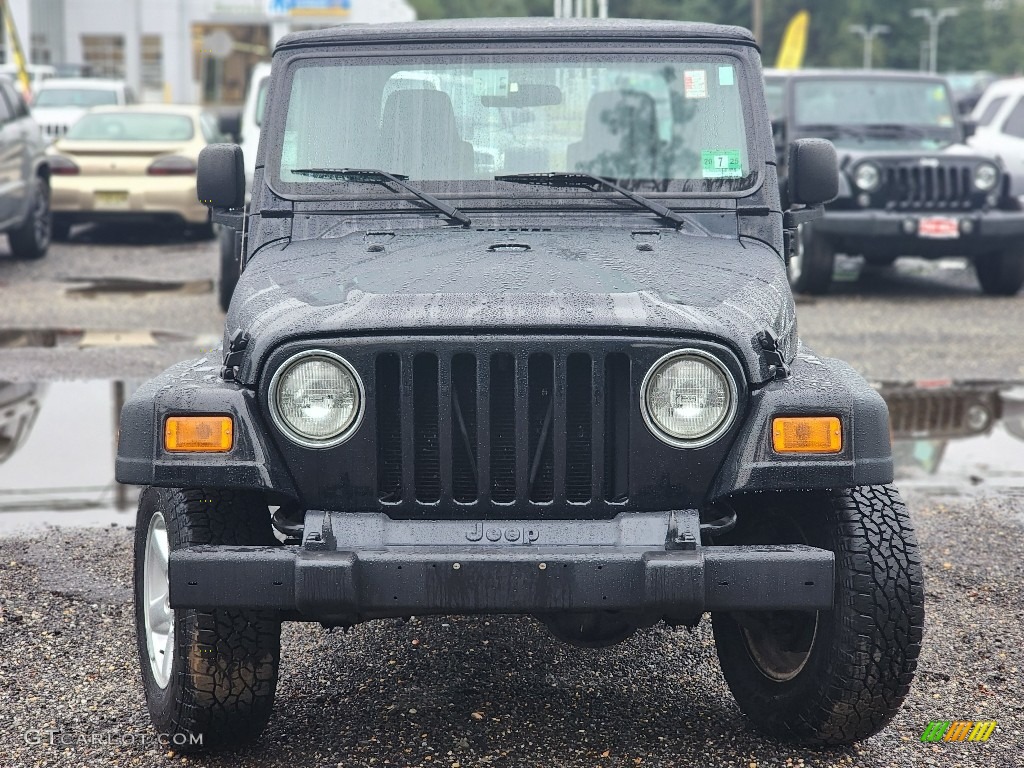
57,445
12,338
91,287
955,438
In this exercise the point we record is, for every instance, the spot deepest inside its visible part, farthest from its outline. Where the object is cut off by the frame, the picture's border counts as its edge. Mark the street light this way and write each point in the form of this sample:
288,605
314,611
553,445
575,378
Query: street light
869,34
934,19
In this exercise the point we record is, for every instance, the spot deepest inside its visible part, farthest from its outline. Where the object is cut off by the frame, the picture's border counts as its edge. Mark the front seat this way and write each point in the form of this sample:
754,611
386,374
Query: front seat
419,137
620,137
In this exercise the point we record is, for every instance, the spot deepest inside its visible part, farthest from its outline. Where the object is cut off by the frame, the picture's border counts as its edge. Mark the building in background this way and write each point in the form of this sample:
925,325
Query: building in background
186,51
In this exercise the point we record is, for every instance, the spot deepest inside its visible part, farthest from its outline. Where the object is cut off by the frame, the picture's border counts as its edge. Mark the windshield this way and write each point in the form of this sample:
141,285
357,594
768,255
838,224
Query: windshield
74,97
131,126
876,111
635,120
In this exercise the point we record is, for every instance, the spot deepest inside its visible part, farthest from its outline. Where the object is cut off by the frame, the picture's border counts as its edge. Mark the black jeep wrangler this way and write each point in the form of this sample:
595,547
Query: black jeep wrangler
908,186
513,335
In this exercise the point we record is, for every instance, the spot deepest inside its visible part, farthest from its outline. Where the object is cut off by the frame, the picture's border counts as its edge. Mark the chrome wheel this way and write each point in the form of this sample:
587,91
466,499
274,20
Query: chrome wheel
780,643
41,217
157,608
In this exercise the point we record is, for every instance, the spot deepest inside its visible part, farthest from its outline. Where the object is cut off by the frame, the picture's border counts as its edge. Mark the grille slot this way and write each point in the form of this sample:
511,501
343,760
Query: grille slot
464,437
541,479
525,429
616,436
389,429
579,429
503,429
426,433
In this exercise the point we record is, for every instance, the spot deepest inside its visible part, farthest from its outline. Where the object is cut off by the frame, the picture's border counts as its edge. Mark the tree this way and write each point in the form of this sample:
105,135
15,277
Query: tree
986,35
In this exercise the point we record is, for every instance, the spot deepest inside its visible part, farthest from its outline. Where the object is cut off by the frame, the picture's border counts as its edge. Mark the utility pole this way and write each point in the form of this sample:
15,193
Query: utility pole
869,34
758,20
934,20
580,9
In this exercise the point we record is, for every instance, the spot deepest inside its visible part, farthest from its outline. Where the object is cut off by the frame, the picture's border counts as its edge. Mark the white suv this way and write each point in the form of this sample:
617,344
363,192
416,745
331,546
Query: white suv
59,102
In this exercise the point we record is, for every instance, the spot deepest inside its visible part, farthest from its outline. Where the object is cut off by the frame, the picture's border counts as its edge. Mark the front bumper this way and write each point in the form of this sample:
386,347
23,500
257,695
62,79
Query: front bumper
92,198
897,231
356,566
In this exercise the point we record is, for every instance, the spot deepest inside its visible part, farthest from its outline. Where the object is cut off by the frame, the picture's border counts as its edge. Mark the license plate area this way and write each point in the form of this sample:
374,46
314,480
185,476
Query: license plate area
939,228
111,199
375,531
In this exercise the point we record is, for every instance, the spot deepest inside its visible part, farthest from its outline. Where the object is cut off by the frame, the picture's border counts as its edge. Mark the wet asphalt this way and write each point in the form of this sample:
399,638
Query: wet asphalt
470,691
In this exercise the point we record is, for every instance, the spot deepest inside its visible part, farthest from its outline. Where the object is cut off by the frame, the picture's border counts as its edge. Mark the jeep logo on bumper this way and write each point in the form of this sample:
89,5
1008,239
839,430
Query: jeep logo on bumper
494,534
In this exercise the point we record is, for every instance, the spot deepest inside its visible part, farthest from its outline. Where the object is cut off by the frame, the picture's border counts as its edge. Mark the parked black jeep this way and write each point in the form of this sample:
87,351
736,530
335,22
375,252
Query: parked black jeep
513,335
908,186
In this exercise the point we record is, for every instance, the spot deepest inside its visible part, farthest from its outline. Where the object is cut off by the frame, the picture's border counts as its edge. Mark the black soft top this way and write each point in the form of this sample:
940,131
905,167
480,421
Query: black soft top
537,28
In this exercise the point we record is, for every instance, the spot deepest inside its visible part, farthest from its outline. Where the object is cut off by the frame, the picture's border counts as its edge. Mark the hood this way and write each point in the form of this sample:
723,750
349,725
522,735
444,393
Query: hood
952,152
57,115
599,280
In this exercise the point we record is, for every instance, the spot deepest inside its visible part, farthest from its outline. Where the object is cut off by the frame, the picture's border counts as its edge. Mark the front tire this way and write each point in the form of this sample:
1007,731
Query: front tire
31,239
831,677
209,675
812,262
1000,274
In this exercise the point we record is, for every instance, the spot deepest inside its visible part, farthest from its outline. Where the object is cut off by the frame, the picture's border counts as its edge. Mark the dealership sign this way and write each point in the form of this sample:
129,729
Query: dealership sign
309,7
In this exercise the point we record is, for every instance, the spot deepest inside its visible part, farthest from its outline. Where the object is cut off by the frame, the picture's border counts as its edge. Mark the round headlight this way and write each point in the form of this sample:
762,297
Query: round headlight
688,398
867,177
985,177
316,399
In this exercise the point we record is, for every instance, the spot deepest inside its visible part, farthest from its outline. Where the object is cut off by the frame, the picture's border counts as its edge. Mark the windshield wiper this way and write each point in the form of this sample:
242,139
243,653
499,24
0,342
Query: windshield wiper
381,178
591,182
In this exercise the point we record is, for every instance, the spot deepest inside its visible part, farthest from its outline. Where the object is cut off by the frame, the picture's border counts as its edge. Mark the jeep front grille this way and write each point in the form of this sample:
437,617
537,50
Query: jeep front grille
526,429
939,412
911,185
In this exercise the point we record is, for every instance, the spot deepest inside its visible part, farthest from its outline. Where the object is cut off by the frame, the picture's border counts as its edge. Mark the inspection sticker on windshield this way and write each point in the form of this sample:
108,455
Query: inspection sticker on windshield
726,76
721,164
695,83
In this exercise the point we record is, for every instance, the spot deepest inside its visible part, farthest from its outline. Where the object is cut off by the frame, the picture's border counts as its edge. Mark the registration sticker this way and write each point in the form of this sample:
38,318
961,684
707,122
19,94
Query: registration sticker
939,228
695,83
721,164
726,76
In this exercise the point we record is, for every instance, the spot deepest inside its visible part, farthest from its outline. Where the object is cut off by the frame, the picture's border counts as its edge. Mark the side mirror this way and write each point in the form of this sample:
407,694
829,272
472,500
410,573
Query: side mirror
970,127
220,181
813,172
229,123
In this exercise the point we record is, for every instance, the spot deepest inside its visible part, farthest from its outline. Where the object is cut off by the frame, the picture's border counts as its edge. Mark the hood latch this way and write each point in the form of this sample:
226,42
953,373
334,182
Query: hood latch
233,357
777,367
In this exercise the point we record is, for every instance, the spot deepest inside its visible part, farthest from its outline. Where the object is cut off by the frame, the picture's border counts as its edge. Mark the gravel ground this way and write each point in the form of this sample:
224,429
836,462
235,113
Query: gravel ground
498,691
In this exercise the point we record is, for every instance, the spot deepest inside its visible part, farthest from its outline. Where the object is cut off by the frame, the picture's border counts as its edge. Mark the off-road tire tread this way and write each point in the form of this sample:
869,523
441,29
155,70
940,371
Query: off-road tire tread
871,660
226,691
1000,274
818,266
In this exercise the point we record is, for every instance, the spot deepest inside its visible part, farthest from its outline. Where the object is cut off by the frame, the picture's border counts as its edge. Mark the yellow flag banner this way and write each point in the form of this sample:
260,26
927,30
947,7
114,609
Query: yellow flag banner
794,42
16,51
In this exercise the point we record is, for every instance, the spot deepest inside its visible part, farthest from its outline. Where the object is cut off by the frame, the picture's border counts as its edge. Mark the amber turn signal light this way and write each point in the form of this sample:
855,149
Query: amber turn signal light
807,434
199,434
